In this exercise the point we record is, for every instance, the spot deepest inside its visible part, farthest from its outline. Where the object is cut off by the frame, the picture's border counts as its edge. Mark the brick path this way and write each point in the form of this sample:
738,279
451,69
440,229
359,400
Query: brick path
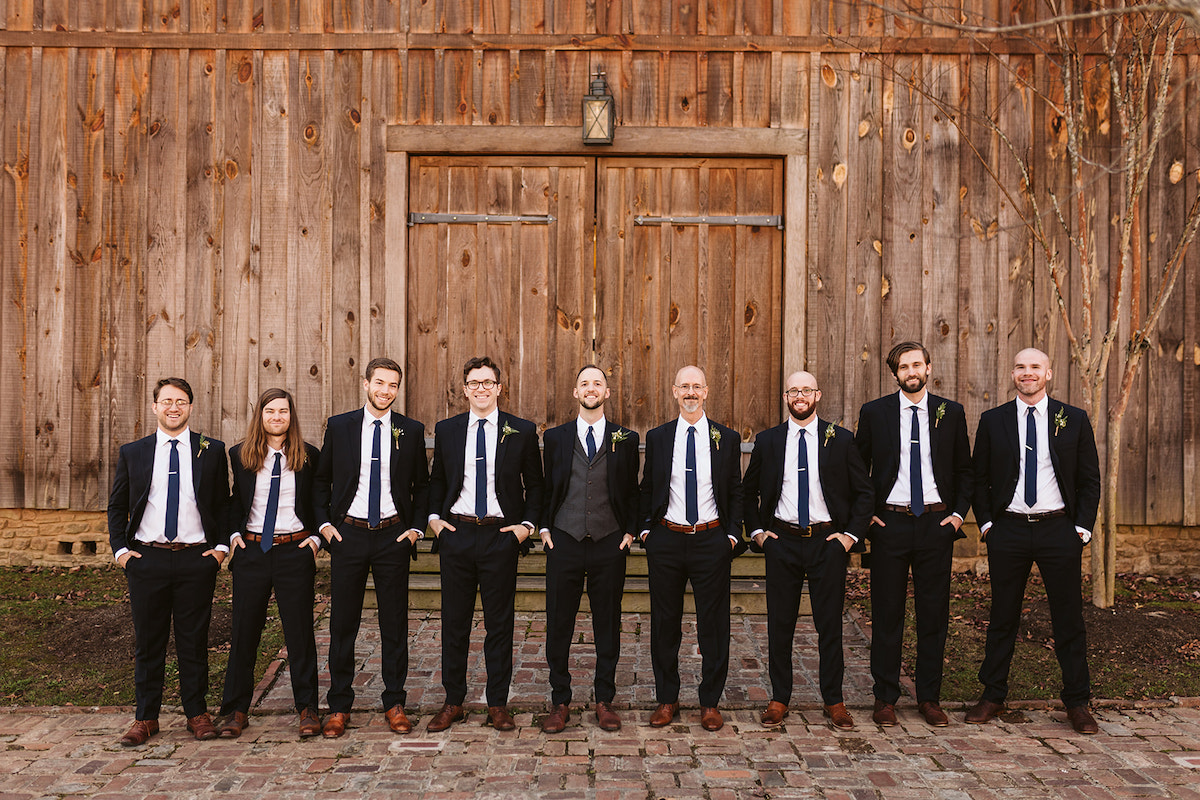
1153,752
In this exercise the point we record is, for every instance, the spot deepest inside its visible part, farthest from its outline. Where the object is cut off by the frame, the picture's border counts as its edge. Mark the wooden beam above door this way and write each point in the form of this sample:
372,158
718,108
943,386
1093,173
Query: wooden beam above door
723,142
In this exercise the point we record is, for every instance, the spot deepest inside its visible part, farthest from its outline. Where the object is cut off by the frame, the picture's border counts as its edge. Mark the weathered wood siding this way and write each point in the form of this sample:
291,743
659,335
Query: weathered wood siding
206,189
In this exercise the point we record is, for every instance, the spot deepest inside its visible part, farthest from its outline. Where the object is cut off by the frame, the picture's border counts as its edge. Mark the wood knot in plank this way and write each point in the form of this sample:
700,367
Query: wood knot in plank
828,76
909,139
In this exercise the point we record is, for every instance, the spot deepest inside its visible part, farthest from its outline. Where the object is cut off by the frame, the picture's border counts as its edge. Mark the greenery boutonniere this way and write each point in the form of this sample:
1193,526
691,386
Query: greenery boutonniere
715,435
618,436
505,431
203,445
396,434
830,432
1060,420
937,415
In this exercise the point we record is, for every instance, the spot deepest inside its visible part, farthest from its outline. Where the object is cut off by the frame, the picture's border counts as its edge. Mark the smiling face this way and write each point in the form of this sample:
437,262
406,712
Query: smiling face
912,372
1031,372
690,391
277,417
172,409
382,388
591,389
483,399
801,407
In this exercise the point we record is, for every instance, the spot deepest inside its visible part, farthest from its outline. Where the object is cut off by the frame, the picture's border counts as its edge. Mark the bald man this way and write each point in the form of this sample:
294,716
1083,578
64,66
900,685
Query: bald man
808,500
691,504
1037,489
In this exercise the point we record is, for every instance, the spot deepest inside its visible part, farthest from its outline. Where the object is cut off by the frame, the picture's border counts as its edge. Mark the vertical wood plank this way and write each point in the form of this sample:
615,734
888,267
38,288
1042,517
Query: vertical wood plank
1015,289
496,89
275,215
345,127
238,16
1189,285
682,111
531,89
756,90
388,266
458,97
571,82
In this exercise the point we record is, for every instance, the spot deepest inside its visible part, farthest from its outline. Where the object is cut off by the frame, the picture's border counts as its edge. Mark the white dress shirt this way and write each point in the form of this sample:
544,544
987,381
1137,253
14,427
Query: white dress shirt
818,509
286,520
361,506
901,494
465,504
707,499
597,428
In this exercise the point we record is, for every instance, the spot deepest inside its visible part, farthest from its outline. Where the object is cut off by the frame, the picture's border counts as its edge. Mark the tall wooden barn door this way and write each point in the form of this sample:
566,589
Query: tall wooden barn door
640,265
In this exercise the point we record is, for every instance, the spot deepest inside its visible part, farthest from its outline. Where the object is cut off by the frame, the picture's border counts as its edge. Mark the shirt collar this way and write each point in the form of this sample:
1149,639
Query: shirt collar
492,418
809,428
184,437
701,424
368,417
1039,407
906,404
581,427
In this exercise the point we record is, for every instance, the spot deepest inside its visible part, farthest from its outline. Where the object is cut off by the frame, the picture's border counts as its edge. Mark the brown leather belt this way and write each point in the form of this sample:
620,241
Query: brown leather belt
176,546
932,507
803,531
1040,517
481,521
386,522
279,538
698,528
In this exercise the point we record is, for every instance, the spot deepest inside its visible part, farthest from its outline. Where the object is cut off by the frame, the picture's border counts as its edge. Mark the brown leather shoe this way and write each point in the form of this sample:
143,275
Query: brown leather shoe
234,723
201,727
982,712
397,720
664,715
606,718
839,716
556,720
933,714
310,723
884,714
774,714
710,719
1082,720
139,732
500,719
445,718
335,725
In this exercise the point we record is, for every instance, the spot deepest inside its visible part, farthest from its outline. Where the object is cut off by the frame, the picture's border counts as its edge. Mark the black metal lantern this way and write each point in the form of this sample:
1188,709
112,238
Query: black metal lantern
599,113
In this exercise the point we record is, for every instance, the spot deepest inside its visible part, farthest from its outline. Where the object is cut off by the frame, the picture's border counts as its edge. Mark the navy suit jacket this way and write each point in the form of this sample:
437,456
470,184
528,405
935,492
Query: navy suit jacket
336,480
244,482
131,489
878,440
1072,452
558,445
844,481
725,456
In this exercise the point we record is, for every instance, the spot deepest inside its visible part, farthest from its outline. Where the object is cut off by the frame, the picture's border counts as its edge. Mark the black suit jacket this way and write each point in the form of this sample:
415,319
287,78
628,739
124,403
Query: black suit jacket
725,456
878,441
844,481
244,482
1072,452
558,446
131,489
518,468
336,480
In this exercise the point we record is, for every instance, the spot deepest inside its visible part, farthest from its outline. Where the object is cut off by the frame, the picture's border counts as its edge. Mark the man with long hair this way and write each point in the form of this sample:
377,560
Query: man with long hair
274,546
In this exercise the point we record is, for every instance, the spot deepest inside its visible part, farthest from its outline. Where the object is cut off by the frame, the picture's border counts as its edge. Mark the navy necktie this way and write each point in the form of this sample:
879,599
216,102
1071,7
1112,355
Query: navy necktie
1030,459
591,444
375,497
802,480
481,472
691,490
268,530
171,529
914,467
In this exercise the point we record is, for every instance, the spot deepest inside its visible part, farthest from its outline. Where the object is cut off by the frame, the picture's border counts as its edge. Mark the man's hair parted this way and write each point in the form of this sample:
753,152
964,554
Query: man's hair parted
893,356
382,363
178,383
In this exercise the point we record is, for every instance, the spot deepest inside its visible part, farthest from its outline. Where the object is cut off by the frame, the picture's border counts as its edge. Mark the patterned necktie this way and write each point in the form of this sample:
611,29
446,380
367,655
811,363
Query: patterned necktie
691,490
268,531
1030,459
914,467
171,529
481,472
802,480
375,498
591,444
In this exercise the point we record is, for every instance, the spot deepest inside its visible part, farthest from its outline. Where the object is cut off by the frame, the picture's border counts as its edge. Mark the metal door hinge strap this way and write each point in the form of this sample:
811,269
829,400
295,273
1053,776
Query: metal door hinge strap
432,219
758,221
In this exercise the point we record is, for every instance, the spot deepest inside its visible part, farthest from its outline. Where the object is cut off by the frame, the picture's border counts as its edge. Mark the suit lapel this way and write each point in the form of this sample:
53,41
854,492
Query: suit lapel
1052,407
501,445
935,439
1008,421
197,453
353,433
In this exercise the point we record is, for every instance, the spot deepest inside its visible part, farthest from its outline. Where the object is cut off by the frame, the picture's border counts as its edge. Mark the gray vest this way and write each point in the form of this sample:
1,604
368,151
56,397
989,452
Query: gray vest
586,510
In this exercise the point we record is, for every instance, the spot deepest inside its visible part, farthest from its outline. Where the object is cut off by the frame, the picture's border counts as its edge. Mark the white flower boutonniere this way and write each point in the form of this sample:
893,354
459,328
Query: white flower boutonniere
203,445
937,415
505,431
715,435
396,434
830,432
1060,420
618,436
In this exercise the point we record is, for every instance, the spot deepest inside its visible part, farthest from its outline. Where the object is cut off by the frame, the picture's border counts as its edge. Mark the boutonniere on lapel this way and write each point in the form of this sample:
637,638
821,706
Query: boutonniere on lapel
937,415
505,431
203,445
830,432
618,436
715,435
396,434
1060,420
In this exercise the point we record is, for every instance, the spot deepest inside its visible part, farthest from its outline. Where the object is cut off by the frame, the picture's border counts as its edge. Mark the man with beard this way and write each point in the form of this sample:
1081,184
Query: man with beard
167,529
1037,490
691,506
808,501
915,445
370,494
591,469
485,490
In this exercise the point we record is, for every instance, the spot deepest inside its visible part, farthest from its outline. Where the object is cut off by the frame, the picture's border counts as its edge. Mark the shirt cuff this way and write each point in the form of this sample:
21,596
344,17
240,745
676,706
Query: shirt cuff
642,535
1085,535
984,528
432,517
420,533
756,532
117,555
222,548
851,535
733,538
316,539
961,518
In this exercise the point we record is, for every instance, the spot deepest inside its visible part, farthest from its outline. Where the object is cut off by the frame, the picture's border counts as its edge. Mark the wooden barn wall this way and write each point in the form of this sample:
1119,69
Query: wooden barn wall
200,187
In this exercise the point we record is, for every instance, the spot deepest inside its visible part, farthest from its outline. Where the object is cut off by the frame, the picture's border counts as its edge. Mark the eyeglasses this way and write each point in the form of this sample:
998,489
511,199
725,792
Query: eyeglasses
176,403
487,383
689,387
806,391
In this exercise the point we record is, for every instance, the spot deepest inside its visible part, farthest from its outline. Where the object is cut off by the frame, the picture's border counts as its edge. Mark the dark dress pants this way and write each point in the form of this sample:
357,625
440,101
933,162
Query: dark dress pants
925,547
484,558
165,587
569,564
361,551
289,569
790,559
1013,547
673,559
